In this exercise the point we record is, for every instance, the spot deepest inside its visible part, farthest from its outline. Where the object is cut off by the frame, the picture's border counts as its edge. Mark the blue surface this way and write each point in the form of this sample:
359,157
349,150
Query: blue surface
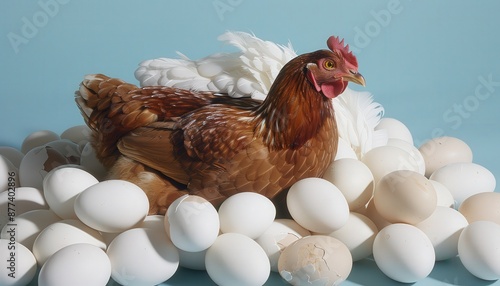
426,62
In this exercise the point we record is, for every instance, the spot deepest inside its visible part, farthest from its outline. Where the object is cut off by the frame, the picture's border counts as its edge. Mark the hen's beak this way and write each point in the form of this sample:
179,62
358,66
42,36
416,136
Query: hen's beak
355,77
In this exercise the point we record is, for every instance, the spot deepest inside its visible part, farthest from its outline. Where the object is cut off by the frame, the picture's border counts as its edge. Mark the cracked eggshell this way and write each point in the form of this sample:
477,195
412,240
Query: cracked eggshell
278,236
315,260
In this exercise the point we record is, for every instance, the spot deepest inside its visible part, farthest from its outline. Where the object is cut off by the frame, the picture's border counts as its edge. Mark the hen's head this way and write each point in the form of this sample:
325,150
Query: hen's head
329,71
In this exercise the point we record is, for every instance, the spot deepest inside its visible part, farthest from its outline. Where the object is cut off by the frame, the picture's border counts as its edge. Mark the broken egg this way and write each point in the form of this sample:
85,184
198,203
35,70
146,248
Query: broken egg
315,260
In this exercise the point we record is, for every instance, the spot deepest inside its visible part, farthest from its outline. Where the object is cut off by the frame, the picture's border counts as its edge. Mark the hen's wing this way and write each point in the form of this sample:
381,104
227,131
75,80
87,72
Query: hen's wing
152,146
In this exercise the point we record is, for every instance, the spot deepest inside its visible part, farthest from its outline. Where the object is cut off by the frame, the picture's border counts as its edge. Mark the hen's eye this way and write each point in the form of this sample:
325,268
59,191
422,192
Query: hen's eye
329,65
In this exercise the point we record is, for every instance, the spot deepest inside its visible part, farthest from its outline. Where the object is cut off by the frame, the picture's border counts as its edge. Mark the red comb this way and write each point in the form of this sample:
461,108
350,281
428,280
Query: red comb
337,45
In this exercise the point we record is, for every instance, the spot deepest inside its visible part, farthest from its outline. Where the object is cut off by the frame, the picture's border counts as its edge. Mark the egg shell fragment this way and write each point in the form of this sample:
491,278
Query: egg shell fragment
315,260
482,206
317,205
405,196
246,213
37,163
112,206
358,235
464,180
403,252
77,264
142,256
479,249
17,270
443,228
61,234
278,236
62,185
441,151
194,223
67,148
236,259
353,178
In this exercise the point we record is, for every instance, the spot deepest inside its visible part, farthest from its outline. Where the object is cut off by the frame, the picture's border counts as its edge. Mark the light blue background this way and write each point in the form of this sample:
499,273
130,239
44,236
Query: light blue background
421,60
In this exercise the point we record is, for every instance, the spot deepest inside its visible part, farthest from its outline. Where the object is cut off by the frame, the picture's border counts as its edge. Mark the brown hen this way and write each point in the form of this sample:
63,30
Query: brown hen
171,142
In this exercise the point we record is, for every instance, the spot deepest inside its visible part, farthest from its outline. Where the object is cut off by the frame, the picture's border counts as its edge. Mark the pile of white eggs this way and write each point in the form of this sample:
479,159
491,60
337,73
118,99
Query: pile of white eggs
403,206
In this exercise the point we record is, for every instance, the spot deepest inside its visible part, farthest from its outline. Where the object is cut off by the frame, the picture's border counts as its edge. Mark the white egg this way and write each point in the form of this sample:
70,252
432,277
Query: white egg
18,264
142,256
358,235
246,213
412,150
28,225
354,179
77,134
112,206
317,205
89,161
385,159
76,264
61,234
479,249
37,163
442,151
278,236
12,154
61,187
395,129
236,259
443,228
405,196
38,138
464,180
444,196
192,260
24,198
344,150
194,223
315,260
403,253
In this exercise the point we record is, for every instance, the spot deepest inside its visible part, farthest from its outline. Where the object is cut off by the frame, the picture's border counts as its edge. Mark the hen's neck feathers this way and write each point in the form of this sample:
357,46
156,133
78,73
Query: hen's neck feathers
293,111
